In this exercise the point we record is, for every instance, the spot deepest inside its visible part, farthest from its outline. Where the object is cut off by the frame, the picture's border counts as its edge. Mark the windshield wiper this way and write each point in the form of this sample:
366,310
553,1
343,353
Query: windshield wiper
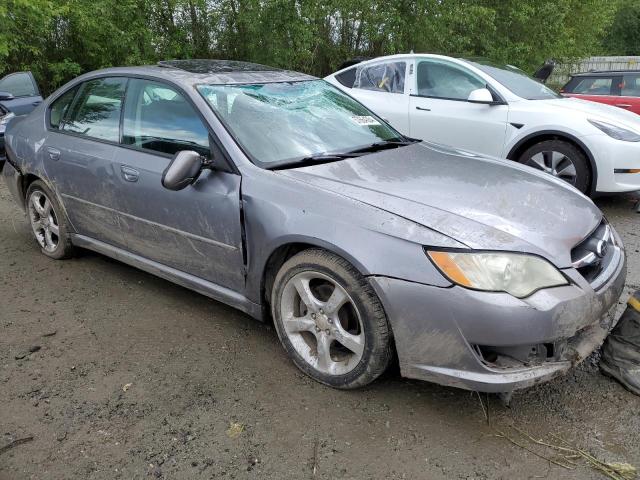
375,147
333,157
313,160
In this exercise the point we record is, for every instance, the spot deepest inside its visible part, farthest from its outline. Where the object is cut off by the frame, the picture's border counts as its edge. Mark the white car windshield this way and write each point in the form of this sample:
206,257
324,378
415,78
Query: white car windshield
279,123
516,80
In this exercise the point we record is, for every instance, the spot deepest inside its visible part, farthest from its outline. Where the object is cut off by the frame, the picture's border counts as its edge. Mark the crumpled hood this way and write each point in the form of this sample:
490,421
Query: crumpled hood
481,202
595,110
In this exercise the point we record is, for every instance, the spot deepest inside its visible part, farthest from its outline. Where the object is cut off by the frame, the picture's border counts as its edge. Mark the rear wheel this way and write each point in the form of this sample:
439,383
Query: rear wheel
560,159
330,321
48,222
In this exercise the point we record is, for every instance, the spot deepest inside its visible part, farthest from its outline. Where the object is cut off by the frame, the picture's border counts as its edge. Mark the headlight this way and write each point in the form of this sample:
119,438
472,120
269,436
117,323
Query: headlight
4,120
616,131
517,274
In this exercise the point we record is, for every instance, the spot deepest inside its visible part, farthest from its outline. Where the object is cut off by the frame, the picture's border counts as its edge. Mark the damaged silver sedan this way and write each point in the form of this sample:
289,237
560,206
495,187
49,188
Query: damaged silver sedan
278,194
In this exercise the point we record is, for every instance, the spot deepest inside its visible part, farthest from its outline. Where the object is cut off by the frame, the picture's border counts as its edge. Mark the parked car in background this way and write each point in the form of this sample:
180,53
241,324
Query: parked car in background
620,89
498,110
19,93
5,116
274,191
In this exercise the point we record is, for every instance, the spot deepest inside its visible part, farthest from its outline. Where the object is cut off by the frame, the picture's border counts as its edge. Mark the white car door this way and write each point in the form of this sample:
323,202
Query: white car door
381,87
439,110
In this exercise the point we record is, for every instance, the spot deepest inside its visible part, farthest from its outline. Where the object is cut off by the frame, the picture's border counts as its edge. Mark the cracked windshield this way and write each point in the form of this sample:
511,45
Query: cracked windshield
282,122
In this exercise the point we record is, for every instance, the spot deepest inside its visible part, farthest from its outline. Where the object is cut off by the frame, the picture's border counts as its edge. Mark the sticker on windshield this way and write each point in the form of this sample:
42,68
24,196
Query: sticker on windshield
365,120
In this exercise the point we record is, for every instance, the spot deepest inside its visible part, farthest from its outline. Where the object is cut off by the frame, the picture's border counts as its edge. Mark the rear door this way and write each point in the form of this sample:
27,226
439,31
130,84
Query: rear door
196,230
24,89
440,112
630,93
79,152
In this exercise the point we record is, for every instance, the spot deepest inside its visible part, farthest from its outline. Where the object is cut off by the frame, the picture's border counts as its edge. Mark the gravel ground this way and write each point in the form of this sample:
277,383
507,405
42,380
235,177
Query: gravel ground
118,374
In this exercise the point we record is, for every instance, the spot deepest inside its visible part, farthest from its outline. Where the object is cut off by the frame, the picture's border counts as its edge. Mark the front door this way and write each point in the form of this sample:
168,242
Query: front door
196,230
24,89
439,111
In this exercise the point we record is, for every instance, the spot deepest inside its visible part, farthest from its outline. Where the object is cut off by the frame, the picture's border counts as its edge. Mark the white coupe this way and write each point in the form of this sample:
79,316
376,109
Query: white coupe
498,110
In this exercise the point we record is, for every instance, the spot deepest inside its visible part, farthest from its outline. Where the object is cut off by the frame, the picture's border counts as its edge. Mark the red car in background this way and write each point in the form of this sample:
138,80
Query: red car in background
618,88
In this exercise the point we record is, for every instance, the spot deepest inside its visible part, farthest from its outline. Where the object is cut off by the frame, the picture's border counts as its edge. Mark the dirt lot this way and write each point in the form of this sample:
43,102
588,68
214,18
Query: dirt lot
136,377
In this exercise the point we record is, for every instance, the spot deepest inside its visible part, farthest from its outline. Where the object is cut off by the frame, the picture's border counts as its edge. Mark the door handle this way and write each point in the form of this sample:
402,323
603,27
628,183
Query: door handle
54,153
36,103
129,174
623,105
423,109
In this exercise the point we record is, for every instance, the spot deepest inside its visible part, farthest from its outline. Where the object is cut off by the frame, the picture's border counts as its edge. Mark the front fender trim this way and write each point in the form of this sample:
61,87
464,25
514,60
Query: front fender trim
559,135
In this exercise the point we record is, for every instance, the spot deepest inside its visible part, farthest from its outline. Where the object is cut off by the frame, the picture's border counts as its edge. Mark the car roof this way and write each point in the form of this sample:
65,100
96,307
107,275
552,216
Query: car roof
603,73
206,71
216,66
403,56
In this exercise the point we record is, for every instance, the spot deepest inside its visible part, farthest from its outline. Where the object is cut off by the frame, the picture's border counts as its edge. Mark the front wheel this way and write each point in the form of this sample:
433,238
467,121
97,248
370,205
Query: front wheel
330,321
560,159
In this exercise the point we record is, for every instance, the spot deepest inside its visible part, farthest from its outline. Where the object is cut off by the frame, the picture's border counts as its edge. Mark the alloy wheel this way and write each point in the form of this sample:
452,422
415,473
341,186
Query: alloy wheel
322,323
44,221
555,163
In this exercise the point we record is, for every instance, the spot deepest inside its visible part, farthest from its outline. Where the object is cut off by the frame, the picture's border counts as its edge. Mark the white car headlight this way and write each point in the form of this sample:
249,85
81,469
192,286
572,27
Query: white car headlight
517,274
4,120
616,131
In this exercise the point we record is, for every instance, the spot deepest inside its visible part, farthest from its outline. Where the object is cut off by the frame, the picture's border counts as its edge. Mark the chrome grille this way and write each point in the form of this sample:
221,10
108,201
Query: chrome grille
596,254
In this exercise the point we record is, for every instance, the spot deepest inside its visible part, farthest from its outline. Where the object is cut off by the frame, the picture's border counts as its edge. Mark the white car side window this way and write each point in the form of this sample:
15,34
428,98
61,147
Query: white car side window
446,80
381,77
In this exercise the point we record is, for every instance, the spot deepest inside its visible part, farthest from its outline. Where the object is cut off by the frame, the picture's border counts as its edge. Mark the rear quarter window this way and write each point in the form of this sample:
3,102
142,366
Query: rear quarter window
60,107
347,78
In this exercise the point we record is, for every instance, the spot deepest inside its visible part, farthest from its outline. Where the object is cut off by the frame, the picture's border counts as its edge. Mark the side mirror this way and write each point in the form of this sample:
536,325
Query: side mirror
183,170
481,95
6,96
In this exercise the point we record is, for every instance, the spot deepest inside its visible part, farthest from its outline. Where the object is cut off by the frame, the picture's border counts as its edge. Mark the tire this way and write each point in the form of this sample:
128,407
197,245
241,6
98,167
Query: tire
560,159
355,336
48,222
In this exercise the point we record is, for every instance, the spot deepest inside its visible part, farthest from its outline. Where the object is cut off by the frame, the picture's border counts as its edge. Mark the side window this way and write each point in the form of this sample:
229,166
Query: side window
158,118
19,85
60,107
631,86
96,110
445,80
381,77
593,86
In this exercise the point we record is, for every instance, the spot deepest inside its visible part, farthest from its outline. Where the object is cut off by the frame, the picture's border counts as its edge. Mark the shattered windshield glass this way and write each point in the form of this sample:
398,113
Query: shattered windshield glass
280,122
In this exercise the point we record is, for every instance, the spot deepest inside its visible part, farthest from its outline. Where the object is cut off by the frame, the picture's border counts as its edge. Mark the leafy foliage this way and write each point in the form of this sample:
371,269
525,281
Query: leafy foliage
624,35
59,39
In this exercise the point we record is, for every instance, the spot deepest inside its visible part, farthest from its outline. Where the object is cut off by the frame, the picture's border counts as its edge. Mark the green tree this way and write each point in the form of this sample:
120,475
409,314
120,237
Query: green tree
59,39
624,35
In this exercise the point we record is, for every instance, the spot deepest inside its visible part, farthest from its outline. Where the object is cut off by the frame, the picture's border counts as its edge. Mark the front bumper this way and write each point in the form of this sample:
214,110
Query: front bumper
613,155
439,332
